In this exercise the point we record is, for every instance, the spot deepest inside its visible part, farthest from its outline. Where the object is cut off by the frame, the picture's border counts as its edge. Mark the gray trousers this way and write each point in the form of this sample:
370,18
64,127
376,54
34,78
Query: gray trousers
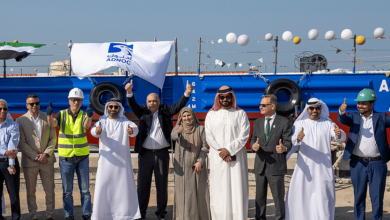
276,183
149,161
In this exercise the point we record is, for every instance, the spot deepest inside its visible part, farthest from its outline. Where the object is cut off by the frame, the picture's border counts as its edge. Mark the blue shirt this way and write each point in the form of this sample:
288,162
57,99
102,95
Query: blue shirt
9,138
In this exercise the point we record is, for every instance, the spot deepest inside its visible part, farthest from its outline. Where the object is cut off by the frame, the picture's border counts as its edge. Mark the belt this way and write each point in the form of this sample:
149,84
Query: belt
366,159
156,150
4,159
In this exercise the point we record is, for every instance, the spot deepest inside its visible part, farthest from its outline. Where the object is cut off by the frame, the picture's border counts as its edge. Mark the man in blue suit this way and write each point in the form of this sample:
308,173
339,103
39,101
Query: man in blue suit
368,149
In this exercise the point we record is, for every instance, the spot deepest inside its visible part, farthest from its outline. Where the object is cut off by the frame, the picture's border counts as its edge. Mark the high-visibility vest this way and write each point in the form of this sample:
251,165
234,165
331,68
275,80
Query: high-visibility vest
72,137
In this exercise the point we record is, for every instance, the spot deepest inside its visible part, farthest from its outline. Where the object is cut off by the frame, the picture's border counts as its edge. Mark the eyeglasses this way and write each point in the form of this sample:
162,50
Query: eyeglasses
76,100
33,103
263,105
4,109
225,97
113,106
316,108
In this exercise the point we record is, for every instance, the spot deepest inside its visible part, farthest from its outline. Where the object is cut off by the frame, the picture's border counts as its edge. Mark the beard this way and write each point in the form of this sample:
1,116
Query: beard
225,104
113,114
314,117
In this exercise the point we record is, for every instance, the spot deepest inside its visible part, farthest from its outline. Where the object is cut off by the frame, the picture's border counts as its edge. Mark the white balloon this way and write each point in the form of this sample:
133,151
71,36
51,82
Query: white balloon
313,34
231,37
240,65
243,40
269,37
330,35
12,69
379,32
220,41
346,34
287,36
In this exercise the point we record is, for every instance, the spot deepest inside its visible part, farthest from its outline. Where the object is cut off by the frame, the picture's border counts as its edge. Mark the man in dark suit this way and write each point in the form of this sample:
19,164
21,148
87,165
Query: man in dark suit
368,149
152,144
271,139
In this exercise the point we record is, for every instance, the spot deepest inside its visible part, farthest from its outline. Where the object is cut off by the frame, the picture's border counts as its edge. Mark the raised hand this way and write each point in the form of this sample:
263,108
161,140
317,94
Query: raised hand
280,148
343,106
256,145
337,130
49,109
224,153
181,128
89,111
301,135
99,130
189,88
129,87
129,130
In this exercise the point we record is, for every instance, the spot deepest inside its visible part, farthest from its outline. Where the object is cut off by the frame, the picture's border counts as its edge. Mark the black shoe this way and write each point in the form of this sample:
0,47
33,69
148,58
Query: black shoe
142,217
162,217
69,218
87,217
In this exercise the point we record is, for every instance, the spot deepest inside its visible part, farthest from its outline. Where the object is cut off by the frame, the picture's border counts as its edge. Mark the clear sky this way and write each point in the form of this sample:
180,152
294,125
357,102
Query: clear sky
98,21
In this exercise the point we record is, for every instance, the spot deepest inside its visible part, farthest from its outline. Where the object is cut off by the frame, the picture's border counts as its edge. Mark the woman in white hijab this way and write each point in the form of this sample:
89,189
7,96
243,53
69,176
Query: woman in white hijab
192,198
115,191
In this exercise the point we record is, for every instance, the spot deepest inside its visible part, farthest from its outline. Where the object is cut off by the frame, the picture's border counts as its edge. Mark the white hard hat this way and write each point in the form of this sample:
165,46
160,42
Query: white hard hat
76,93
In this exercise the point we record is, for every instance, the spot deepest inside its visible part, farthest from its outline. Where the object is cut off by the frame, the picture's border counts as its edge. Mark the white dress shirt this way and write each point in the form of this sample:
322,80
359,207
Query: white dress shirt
270,122
366,145
36,125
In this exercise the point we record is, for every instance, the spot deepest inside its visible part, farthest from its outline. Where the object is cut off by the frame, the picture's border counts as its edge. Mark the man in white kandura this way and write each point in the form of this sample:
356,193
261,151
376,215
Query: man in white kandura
311,195
115,190
227,131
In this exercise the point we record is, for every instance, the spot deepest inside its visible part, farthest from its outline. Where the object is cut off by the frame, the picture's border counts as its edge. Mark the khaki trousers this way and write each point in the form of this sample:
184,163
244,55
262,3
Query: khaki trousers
46,172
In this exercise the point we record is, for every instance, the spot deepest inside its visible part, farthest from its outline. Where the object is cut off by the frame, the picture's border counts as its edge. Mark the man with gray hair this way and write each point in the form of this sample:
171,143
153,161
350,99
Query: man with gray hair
271,140
9,164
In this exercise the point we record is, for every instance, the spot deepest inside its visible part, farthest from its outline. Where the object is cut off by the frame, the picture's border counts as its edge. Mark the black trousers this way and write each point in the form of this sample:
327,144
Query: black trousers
12,183
149,161
276,183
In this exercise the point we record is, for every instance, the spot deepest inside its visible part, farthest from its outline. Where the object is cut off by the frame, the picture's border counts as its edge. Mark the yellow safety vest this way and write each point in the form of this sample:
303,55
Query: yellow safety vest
72,137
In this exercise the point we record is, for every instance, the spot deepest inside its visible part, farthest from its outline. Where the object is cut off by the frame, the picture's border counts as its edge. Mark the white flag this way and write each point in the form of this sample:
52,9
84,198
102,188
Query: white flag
217,62
228,64
261,60
147,60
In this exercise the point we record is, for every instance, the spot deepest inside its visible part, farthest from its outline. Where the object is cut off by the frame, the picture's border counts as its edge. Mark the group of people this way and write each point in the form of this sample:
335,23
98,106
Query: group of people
218,145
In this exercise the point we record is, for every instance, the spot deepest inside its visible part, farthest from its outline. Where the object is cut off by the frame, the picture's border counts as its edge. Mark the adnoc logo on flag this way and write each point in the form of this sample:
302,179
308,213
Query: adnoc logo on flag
120,53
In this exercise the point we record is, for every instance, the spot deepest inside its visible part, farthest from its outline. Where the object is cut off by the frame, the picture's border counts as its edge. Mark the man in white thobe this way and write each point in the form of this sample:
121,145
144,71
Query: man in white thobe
311,194
227,131
115,190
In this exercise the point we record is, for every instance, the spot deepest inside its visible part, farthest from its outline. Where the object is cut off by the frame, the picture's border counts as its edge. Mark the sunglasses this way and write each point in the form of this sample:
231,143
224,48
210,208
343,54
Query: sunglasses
76,100
316,108
113,107
33,103
225,97
4,109
263,105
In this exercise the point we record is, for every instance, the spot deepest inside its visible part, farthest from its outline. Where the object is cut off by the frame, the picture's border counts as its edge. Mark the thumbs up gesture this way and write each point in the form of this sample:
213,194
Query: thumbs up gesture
49,109
129,130
301,135
343,106
189,89
89,111
129,87
99,129
181,128
256,145
337,130
280,148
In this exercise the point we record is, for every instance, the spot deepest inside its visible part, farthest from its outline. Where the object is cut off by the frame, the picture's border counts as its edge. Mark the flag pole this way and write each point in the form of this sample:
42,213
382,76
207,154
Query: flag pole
276,52
176,58
4,69
70,50
127,73
354,53
200,42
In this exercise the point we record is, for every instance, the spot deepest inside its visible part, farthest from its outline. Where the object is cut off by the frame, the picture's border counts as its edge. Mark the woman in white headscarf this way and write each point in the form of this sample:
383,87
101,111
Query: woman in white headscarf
115,191
192,198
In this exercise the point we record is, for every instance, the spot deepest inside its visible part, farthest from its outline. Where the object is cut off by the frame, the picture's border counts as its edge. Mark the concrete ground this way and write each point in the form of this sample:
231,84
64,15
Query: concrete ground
344,196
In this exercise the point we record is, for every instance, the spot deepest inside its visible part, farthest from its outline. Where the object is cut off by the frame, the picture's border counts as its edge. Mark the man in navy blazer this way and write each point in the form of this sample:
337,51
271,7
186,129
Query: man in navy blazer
368,149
